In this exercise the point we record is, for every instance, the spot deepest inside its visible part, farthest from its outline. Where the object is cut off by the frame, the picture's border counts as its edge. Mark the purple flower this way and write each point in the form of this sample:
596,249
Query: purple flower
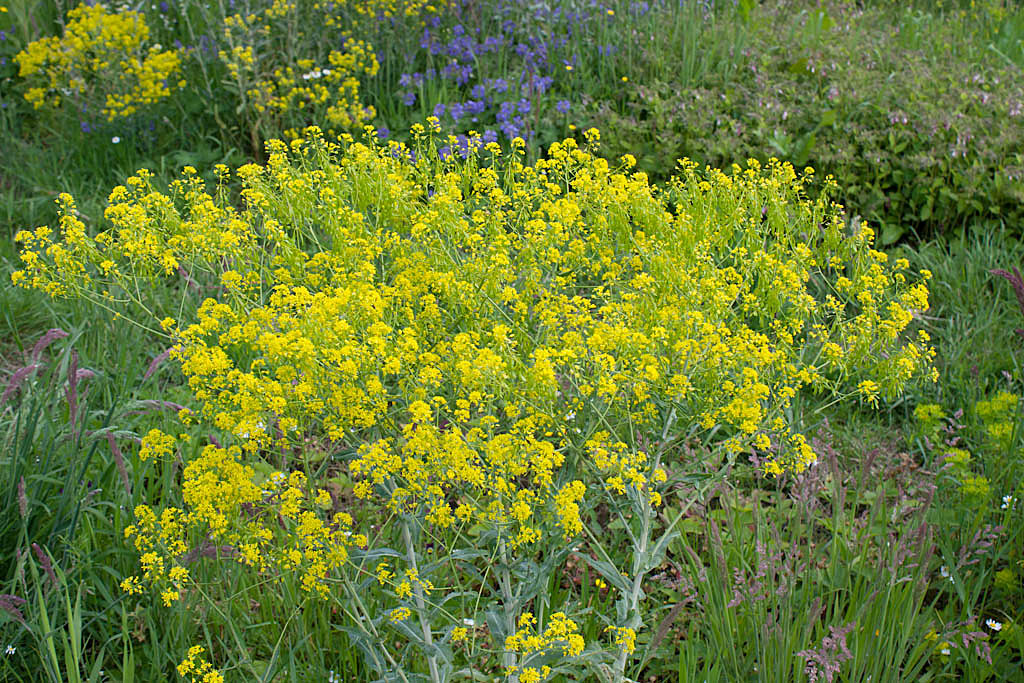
562,106
474,107
439,110
478,91
405,80
489,136
524,106
511,128
86,128
383,133
641,8
409,99
500,85
456,109
506,111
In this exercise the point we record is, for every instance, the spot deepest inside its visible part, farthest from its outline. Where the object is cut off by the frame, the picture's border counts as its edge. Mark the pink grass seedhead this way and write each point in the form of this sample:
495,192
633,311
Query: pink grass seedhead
22,499
119,460
51,336
1017,282
12,604
72,390
44,561
825,662
16,380
156,364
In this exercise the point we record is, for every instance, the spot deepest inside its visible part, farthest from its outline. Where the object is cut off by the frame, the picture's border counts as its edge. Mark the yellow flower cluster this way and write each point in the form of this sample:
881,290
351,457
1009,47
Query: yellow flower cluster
197,669
416,10
101,57
560,632
999,415
283,80
275,527
487,336
625,638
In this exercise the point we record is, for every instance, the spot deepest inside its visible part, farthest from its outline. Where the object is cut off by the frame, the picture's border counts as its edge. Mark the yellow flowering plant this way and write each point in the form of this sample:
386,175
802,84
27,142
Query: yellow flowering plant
498,356
282,65
103,61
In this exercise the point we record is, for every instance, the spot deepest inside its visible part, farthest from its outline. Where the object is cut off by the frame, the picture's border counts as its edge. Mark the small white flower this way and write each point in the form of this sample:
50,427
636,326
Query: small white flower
945,573
1009,502
945,651
10,650
993,624
115,139
333,678
570,415
469,622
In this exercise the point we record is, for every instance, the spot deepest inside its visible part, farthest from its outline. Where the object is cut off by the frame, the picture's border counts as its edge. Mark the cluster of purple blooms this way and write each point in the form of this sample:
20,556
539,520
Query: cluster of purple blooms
536,60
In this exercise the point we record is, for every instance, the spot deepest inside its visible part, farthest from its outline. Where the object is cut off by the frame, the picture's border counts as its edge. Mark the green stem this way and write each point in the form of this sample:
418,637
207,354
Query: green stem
368,621
641,563
639,571
508,659
421,603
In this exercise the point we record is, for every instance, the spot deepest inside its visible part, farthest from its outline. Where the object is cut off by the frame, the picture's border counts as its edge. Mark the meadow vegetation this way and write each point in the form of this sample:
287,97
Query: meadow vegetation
394,340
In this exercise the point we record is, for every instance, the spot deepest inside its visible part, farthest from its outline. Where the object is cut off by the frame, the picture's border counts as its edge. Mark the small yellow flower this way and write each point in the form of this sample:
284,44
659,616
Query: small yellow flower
400,614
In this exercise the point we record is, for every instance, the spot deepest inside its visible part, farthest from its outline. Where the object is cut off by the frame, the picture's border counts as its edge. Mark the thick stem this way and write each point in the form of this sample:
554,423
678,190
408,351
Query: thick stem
508,659
639,571
421,604
640,564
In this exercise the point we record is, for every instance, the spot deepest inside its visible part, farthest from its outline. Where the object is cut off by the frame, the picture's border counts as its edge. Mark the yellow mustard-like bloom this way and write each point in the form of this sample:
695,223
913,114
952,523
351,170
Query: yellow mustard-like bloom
100,58
499,345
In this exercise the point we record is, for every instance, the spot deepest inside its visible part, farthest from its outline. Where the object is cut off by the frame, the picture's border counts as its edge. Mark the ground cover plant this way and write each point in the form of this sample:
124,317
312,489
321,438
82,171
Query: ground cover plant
387,365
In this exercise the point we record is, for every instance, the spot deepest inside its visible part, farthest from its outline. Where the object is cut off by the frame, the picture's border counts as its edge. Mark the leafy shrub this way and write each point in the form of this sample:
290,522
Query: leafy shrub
495,357
920,136
101,62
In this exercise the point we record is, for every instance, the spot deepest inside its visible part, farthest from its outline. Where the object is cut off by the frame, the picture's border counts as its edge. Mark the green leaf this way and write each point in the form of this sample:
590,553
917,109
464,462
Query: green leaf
608,571
656,555
891,233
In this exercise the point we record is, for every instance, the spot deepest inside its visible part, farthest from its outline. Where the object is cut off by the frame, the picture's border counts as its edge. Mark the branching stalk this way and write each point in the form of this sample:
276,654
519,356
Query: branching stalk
421,604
